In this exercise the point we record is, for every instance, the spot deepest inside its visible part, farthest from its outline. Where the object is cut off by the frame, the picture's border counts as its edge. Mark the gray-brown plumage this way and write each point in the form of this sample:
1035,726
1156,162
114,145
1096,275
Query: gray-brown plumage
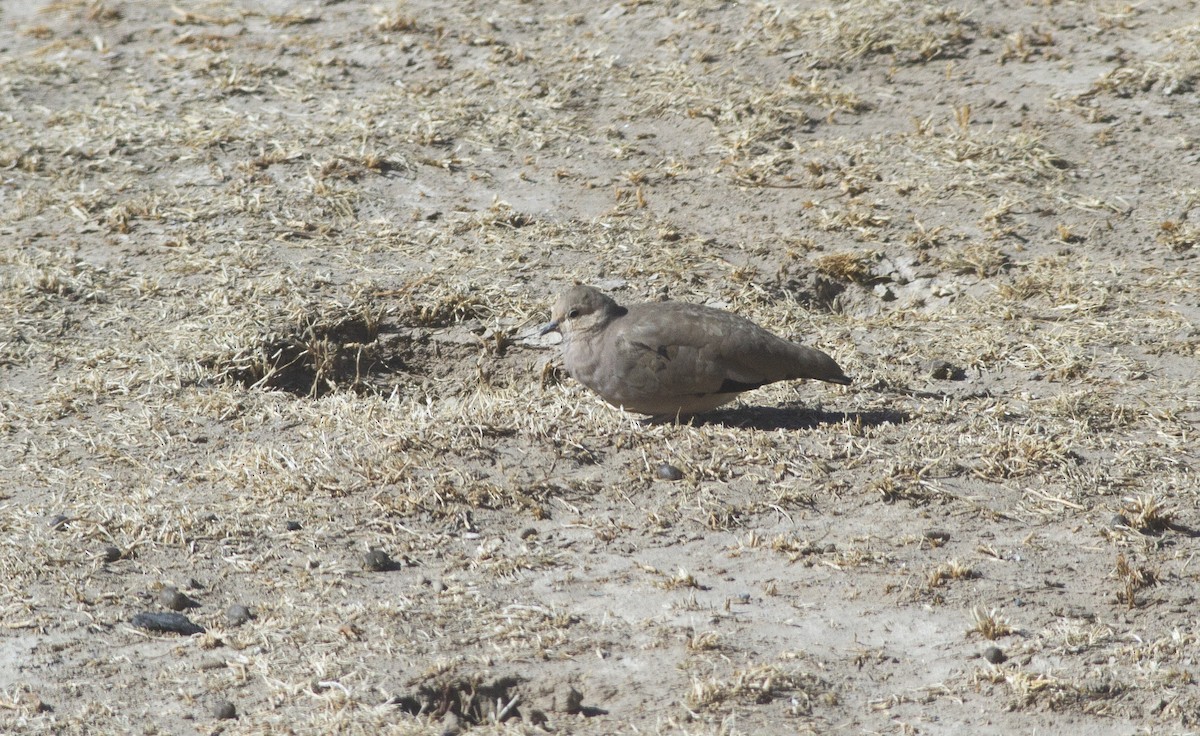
672,359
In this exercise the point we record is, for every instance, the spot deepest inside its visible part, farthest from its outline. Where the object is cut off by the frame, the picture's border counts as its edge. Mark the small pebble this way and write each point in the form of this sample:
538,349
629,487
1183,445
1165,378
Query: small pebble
292,526
238,614
995,655
666,471
111,554
224,710
438,586
170,598
167,623
58,522
378,561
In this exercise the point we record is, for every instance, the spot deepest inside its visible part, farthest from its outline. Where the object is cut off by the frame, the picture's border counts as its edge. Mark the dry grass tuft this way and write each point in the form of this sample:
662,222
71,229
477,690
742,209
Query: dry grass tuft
979,259
912,32
1174,72
989,624
757,685
1180,237
704,641
1024,450
949,571
1131,579
681,579
1030,688
848,266
1148,514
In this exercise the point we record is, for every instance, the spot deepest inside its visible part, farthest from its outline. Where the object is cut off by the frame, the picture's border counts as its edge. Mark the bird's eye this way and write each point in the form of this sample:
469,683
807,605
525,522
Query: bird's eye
573,314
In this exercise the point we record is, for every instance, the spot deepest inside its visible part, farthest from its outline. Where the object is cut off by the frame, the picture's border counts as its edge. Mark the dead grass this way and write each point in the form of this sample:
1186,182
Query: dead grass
1174,72
948,572
990,624
759,684
912,32
845,266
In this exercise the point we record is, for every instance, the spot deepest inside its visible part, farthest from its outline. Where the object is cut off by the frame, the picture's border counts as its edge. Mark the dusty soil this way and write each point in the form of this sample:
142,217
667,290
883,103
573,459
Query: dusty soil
271,276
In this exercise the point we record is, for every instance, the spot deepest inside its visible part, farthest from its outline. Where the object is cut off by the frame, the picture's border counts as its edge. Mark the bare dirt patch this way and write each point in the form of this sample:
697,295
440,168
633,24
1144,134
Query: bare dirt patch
272,277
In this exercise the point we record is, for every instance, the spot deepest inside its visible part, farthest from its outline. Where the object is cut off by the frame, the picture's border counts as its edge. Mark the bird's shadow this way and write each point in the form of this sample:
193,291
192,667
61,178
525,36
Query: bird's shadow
794,417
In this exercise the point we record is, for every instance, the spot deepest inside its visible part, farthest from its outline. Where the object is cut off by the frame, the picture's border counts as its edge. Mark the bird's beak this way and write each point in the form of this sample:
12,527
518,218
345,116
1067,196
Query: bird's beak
552,327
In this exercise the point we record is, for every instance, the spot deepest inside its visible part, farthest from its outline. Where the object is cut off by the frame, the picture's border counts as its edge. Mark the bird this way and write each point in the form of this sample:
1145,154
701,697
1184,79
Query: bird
674,359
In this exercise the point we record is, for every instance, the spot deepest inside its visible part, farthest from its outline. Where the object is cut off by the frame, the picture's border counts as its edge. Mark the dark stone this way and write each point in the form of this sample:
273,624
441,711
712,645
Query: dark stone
166,623
666,471
238,614
943,370
379,561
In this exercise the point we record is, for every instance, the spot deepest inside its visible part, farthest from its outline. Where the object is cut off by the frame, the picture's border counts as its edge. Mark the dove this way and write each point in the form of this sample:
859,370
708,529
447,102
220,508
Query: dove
674,359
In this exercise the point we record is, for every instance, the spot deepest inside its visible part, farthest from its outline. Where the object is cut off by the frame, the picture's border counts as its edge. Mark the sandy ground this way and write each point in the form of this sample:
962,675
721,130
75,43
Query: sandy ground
270,281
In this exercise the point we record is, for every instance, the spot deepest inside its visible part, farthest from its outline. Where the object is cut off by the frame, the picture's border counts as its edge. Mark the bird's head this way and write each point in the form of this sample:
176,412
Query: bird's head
581,308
